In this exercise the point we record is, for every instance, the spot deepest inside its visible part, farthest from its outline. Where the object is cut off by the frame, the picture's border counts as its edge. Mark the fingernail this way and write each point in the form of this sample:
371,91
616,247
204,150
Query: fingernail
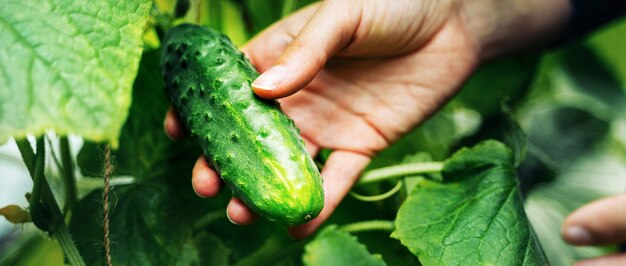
270,79
578,235
231,220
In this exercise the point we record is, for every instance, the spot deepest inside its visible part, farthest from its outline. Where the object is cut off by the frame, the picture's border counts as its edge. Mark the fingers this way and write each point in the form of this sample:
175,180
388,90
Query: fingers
311,148
174,129
341,171
598,223
265,48
239,213
205,181
328,30
611,260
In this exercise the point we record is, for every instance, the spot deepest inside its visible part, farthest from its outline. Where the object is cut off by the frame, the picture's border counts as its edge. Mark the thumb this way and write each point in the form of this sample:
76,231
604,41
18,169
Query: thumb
598,223
329,30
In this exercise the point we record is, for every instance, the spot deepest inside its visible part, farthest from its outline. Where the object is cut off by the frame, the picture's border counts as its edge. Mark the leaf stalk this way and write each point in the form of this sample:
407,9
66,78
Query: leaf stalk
44,209
397,171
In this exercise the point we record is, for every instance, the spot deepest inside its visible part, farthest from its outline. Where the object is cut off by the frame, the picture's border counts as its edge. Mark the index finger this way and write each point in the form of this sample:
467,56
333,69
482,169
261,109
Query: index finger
265,48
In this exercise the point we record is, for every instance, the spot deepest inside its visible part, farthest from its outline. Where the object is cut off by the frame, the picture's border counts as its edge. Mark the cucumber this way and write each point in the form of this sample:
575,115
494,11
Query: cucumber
248,140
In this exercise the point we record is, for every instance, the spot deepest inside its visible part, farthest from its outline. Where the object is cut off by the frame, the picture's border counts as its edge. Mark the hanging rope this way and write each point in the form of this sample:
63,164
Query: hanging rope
108,169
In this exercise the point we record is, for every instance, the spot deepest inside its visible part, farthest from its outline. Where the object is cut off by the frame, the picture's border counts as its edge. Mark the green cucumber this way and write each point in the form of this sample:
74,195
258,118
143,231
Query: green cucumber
248,140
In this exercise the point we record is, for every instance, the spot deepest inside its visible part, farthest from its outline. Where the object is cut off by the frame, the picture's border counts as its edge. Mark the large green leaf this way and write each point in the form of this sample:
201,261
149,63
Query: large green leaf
476,217
334,247
211,251
68,66
151,223
144,148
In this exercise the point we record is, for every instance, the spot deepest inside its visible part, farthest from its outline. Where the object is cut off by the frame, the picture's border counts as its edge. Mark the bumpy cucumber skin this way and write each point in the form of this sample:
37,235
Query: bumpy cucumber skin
249,141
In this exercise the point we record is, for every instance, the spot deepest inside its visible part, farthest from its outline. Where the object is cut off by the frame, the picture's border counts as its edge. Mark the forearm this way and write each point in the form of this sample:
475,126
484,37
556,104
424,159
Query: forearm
503,26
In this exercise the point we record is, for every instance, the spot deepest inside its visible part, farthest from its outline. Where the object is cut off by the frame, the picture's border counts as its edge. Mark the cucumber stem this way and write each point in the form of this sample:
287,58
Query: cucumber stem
397,171
43,204
383,196
28,155
62,235
373,225
38,211
68,175
288,7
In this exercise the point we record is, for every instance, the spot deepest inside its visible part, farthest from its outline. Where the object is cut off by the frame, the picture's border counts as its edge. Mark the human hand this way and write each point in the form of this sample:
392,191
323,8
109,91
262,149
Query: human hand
602,222
366,72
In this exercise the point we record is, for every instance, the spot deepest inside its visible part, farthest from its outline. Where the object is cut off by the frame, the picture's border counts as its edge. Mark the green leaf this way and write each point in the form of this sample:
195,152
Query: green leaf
212,250
144,147
476,217
503,78
608,44
434,137
335,247
151,223
72,64
561,134
592,80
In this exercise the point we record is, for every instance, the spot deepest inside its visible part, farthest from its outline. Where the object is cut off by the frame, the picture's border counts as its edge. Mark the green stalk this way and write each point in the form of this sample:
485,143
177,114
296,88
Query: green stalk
397,171
44,210
54,156
28,156
68,175
215,14
62,235
373,225
198,12
38,211
383,196
288,7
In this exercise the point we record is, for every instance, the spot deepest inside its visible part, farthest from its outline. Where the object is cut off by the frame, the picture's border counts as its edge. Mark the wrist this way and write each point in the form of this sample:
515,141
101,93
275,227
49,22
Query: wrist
503,26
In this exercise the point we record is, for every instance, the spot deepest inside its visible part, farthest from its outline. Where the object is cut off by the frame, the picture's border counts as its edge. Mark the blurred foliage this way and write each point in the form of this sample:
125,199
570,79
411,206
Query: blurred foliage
561,111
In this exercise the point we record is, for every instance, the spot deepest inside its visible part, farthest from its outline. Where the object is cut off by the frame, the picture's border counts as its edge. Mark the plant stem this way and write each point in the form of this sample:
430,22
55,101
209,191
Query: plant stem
383,196
41,197
68,175
373,225
28,156
288,7
198,12
38,211
54,157
215,14
396,171
62,235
